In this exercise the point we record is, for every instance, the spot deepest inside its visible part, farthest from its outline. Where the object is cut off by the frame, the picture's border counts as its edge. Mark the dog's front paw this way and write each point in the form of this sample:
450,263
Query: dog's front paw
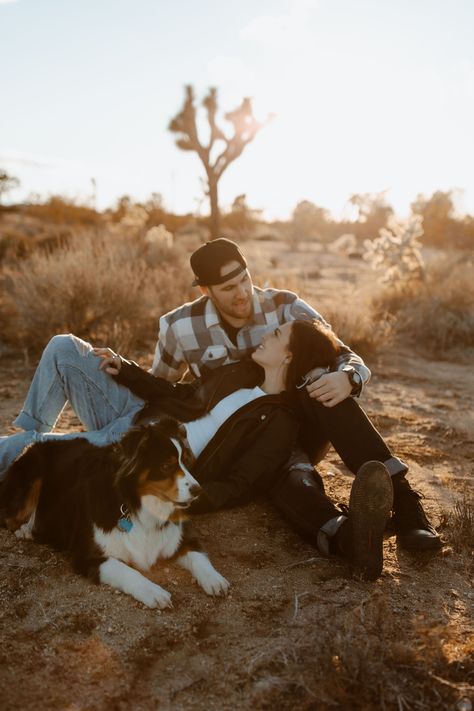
152,595
24,533
213,583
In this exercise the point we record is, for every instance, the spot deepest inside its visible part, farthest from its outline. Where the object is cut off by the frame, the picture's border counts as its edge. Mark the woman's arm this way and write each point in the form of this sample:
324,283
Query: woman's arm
253,472
147,386
139,381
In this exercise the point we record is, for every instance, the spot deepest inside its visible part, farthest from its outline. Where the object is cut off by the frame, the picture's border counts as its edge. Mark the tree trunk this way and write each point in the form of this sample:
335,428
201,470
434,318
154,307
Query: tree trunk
215,220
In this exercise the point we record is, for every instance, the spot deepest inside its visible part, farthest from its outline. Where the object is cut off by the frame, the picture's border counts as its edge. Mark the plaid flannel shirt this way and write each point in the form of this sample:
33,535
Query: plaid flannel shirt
192,337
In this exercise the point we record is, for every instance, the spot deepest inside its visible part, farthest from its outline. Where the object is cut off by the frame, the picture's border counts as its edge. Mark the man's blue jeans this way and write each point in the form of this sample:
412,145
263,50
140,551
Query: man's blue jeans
68,371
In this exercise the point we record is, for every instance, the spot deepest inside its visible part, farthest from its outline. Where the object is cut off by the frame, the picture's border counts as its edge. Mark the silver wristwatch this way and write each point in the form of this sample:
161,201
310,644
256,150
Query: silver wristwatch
355,379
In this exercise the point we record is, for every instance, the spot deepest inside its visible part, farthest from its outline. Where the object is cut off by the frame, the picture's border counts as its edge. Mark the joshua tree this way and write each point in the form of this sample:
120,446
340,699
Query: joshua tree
7,183
215,161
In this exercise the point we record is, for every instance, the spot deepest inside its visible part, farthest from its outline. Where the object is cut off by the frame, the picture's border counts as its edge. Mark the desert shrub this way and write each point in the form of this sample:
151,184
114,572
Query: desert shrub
397,252
355,324
98,286
431,305
437,313
14,245
341,662
17,245
459,523
61,210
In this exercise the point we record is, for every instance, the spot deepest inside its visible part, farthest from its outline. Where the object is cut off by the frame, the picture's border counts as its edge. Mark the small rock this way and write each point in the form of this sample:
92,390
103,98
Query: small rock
447,552
464,704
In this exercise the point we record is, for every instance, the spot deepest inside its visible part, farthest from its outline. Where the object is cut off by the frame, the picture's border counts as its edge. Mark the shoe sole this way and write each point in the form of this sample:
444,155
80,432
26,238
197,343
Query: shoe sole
416,543
370,505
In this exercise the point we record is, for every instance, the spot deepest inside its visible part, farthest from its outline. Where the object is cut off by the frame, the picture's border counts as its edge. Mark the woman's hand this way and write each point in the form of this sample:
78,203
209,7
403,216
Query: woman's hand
111,362
330,389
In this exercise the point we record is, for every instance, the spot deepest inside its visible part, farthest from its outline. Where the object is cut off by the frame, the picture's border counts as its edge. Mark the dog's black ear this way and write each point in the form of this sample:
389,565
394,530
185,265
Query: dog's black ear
133,440
170,427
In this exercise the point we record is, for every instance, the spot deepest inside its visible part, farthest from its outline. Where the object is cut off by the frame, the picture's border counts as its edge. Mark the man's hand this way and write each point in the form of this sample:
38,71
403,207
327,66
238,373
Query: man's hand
111,362
330,389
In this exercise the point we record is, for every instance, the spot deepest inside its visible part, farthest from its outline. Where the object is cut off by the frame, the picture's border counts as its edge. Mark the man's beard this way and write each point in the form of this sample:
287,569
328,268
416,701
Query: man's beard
236,312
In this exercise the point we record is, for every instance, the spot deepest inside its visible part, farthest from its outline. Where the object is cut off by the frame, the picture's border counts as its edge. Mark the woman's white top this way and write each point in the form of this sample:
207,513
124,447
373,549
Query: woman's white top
201,431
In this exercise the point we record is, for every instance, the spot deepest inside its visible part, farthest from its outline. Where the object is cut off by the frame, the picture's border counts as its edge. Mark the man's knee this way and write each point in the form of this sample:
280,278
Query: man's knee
67,344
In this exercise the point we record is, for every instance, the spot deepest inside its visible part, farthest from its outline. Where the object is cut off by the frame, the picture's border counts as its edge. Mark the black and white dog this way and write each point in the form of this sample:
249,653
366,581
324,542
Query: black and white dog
111,508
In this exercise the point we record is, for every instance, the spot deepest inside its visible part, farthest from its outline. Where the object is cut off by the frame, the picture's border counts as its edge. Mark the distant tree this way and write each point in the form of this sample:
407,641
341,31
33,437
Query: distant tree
7,183
245,128
241,218
441,226
373,212
308,221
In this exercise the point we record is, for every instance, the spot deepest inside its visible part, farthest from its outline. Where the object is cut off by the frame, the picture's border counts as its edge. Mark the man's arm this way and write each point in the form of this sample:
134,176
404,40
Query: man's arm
168,361
332,388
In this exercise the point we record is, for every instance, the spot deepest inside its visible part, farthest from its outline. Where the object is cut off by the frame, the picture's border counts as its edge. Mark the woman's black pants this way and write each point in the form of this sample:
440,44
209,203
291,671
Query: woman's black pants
299,493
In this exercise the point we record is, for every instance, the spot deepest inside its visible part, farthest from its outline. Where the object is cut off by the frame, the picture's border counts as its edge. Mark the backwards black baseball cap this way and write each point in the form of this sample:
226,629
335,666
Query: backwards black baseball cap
208,260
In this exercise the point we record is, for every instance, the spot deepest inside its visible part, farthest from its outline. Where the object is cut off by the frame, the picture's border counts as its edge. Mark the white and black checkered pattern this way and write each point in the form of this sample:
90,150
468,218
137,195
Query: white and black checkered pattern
192,336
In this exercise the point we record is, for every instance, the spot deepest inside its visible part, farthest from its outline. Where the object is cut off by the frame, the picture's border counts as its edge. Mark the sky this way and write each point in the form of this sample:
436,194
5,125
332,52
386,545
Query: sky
369,96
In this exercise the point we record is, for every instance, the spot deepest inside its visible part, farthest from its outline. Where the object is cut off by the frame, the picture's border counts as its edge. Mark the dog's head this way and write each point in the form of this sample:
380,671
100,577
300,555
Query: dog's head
152,473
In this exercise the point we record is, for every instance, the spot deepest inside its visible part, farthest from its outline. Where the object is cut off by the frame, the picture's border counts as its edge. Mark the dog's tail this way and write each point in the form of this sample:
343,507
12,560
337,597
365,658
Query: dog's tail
20,489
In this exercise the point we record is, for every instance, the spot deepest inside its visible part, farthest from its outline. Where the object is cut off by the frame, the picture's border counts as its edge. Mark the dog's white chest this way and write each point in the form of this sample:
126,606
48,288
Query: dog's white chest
141,546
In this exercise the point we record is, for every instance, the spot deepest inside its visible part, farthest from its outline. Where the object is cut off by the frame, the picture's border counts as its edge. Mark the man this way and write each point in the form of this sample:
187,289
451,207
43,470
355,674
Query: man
225,325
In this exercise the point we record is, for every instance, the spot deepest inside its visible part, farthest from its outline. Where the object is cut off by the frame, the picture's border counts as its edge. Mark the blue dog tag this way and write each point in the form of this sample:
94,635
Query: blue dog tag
125,525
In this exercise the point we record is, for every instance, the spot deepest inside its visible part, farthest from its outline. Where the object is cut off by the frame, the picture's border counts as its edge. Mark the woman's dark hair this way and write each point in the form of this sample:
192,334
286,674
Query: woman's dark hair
312,345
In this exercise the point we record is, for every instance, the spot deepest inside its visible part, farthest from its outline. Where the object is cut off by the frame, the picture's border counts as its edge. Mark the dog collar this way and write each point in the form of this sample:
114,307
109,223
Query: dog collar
125,524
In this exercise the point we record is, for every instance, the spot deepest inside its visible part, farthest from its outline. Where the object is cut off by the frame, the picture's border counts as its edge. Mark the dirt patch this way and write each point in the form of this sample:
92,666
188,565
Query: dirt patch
293,620
295,632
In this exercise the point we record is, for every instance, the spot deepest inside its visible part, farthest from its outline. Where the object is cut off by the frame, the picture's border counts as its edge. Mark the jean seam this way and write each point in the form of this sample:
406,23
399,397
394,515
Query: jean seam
91,385
40,408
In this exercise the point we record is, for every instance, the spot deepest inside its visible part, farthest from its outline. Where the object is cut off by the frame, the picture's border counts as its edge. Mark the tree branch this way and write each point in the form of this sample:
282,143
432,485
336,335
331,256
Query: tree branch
184,123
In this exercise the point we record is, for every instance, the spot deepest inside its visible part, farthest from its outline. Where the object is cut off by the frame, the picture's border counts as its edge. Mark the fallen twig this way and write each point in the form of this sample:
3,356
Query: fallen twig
297,598
452,685
303,562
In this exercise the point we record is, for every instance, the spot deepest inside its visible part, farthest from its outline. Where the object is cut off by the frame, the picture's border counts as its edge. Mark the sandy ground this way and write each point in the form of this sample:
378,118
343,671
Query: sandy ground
67,644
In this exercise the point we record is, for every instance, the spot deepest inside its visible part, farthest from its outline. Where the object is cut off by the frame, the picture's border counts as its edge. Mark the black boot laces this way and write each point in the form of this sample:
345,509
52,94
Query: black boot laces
408,511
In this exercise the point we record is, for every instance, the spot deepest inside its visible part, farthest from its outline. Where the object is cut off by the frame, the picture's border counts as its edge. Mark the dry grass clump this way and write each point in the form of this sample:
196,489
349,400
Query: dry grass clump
356,326
108,287
437,313
366,657
459,523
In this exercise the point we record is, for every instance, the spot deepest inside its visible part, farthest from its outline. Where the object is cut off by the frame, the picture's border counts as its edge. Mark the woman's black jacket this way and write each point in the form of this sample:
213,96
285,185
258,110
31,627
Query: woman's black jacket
247,452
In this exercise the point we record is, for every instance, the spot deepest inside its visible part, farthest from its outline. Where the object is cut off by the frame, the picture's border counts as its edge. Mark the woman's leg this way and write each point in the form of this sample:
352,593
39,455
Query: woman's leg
69,371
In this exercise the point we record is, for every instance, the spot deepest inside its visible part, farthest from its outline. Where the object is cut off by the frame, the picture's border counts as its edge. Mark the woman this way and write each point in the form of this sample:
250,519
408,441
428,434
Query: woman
241,421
